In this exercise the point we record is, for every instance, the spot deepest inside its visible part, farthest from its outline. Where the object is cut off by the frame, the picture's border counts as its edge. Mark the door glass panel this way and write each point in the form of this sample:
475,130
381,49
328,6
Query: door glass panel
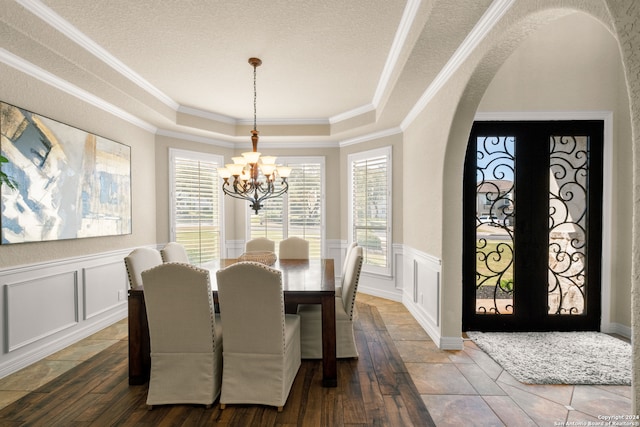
568,177
495,215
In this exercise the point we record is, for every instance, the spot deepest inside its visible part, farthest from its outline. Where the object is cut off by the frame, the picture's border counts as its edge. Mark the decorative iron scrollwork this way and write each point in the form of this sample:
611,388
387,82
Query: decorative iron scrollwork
495,215
569,168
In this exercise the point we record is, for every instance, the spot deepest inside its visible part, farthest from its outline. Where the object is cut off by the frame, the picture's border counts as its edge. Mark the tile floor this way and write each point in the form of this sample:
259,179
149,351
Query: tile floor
467,388
460,388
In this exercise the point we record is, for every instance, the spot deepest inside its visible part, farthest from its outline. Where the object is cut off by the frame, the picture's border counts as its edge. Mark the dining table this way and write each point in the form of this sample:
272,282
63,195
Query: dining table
303,281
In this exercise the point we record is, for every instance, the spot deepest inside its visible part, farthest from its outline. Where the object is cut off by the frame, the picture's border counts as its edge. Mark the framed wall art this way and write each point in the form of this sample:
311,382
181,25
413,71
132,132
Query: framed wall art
59,182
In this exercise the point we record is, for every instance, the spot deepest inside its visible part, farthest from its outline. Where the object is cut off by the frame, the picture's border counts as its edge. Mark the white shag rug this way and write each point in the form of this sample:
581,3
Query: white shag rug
559,357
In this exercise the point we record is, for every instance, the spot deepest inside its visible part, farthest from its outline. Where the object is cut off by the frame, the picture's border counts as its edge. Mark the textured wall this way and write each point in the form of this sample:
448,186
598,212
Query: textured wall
626,16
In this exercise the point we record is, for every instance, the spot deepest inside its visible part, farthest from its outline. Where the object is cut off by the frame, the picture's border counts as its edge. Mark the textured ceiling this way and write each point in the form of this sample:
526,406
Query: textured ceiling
320,58
332,69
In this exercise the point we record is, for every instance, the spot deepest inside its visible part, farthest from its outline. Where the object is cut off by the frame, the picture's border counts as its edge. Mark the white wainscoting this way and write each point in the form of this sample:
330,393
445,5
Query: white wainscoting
423,296
233,248
389,287
49,306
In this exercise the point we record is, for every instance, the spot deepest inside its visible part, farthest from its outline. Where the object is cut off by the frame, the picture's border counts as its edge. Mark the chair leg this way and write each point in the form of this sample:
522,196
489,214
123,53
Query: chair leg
280,408
222,406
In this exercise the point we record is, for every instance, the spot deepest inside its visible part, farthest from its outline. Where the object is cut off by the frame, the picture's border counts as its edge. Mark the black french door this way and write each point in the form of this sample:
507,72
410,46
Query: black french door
532,226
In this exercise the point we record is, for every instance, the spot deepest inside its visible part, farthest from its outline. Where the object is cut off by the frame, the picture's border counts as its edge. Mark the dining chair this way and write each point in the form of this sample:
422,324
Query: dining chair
185,334
260,244
311,319
293,248
139,260
261,343
174,252
344,266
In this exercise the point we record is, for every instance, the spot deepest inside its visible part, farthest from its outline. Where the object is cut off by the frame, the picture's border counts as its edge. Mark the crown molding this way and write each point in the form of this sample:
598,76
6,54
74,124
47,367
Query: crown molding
486,23
56,21
36,72
351,113
406,22
293,145
207,115
195,138
371,136
293,122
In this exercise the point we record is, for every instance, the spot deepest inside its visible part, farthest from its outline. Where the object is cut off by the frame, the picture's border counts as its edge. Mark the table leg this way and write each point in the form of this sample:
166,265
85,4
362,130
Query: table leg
139,345
329,363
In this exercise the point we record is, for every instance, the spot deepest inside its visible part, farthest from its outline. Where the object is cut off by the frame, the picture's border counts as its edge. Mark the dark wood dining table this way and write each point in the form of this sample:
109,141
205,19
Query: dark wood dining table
304,282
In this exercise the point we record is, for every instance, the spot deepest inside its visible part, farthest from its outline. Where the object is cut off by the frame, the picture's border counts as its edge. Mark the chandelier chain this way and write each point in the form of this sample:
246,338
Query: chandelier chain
255,96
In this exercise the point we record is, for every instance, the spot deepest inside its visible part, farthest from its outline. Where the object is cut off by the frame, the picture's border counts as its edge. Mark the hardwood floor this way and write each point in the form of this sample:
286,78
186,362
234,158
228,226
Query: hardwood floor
375,389
86,385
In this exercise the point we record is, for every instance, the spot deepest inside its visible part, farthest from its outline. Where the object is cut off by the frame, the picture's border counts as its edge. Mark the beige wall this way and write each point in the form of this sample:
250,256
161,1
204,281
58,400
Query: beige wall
23,91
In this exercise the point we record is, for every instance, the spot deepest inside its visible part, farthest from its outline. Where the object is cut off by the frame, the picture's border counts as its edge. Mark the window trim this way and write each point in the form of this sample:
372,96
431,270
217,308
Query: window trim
364,155
194,155
288,160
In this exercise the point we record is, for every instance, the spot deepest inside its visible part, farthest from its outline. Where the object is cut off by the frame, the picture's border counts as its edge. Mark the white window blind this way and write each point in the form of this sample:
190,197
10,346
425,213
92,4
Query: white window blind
196,204
300,212
370,207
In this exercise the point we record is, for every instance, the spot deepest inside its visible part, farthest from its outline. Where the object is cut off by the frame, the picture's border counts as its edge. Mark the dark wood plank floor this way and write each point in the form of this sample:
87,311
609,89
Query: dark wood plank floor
374,390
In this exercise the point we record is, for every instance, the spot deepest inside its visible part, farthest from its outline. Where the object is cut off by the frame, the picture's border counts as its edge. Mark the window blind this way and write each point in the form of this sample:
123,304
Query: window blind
197,216
299,213
371,205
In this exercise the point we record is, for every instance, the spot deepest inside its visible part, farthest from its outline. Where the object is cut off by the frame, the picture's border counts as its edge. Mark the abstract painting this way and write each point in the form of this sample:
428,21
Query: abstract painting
68,183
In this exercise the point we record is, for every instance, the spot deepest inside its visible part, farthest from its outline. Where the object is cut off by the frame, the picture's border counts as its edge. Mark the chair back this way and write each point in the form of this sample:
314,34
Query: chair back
346,258
351,278
180,308
174,252
260,244
139,260
293,248
252,308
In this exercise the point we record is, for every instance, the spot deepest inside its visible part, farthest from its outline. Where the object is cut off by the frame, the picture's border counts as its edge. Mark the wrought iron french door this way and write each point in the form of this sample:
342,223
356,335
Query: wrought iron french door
532,221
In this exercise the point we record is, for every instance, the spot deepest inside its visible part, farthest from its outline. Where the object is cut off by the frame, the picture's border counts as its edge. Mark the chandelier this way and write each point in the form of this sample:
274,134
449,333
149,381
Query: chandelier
254,176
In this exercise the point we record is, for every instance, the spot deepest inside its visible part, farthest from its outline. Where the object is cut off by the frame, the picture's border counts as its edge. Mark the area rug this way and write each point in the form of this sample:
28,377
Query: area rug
559,357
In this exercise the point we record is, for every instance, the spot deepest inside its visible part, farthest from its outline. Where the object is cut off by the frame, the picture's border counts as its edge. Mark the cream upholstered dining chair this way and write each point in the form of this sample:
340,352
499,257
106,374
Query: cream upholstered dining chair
174,252
260,244
139,260
185,333
344,267
261,343
311,319
293,248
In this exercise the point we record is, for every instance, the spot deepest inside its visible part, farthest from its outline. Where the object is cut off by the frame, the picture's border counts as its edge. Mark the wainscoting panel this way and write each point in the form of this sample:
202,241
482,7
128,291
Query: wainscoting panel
426,282
40,307
51,305
422,295
105,287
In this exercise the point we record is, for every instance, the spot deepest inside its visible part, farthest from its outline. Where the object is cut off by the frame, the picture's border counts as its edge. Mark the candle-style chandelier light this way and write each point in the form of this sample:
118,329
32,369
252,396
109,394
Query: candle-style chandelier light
254,176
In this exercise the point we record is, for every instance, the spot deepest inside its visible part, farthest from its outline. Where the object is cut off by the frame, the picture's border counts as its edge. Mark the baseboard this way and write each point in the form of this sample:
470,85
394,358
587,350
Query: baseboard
617,328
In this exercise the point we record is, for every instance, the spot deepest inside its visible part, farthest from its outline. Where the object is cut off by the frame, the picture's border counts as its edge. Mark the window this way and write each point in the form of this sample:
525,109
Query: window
196,203
370,207
300,212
